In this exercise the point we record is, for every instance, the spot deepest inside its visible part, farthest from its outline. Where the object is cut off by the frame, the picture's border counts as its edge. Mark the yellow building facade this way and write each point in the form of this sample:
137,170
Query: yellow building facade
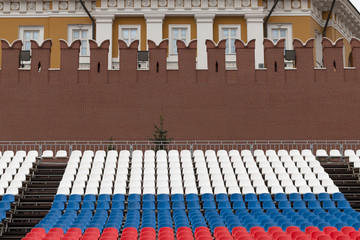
185,20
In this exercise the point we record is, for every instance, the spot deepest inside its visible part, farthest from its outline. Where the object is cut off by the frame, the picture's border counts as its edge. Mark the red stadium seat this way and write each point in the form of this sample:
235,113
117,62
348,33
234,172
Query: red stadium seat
59,231
336,234
93,231
310,230
225,238
328,230
264,238
292,229
238,230
303,237
253,230
271,230
34,235
259,234
354,234
323,237
205,238
108,238
72,235
343,238
284,237
74,230
40,231
113,230
346,230
242,235
296,234
110,234
276,235
54,235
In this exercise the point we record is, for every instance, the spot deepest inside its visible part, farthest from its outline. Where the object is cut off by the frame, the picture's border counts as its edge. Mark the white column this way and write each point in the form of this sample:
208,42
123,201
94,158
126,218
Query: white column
204,25
104,26
255,30
154,27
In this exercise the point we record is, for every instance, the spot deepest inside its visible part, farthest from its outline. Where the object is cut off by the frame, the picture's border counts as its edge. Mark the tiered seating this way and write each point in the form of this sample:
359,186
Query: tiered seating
222,195
14,169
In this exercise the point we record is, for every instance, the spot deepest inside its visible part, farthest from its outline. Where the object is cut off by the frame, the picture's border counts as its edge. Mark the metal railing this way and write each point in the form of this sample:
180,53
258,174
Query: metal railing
191,145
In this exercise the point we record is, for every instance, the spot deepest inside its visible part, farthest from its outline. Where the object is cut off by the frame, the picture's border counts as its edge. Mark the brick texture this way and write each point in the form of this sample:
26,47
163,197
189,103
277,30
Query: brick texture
99,104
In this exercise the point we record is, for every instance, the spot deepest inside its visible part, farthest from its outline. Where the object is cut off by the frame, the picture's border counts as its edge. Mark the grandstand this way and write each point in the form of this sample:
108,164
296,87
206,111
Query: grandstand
203,190
214,69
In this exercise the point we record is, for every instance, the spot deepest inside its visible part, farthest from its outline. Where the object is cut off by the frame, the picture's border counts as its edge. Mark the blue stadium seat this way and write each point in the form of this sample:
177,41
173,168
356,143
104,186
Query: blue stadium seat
58,206
314,204
73,205
178,205
265,197
239,205
324,197
163,205
327,205
75,198
60,198
193,205
134,205
210,205
177,198
338,197
192,197
284,205
163,197
250,197
89,198
309,197
104,198
148,205
222,197
236,197
134,198
280,197
343,204
269,204
103,205
299,204
148,198
117,205
118,197
207,197
294,197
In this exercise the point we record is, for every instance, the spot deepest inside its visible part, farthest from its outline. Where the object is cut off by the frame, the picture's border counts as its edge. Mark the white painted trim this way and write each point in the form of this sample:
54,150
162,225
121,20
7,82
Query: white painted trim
289,32
173,56
138,28
230,57
39,28
71,27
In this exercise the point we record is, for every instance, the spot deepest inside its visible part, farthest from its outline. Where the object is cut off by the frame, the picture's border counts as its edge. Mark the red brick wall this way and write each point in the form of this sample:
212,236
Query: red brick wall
126,103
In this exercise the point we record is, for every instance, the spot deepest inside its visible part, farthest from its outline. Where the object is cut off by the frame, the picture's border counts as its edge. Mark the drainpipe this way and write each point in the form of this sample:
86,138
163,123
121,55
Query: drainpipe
268,17
91,18
328,18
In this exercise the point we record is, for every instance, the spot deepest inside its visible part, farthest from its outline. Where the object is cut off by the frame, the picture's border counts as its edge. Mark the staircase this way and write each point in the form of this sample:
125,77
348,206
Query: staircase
346,178
34,201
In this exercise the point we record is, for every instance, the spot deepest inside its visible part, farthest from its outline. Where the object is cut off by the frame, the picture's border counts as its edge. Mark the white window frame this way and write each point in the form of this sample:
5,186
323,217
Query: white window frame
138,28
230,57
39,28
289,33
173,56
289,38
88,27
